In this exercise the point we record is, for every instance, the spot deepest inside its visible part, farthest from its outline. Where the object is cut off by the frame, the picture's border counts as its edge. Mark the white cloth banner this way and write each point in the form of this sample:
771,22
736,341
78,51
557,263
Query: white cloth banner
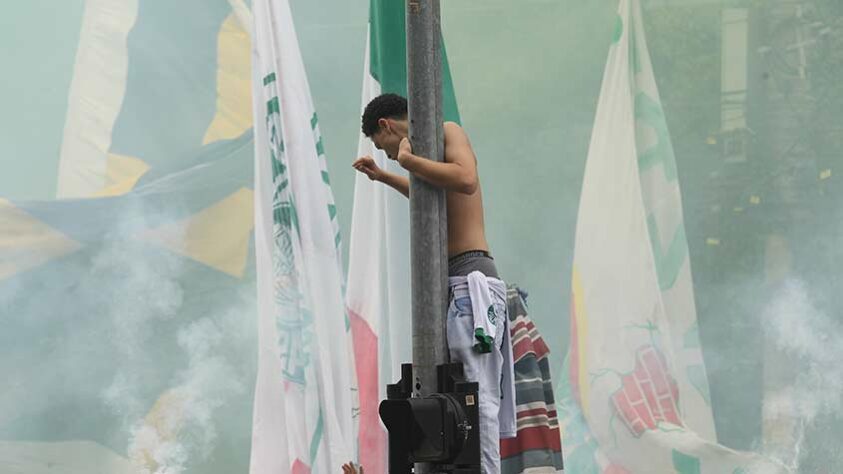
637,399
303,394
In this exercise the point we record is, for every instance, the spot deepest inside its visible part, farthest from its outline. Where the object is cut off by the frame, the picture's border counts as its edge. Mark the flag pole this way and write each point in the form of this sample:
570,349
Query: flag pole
428,227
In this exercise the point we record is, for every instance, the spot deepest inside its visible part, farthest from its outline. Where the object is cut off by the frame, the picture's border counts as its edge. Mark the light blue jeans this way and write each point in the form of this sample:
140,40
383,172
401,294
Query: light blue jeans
486,369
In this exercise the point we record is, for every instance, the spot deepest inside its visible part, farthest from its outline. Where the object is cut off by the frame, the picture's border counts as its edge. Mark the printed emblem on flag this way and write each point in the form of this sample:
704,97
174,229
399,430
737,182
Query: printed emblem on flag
294,321
649,394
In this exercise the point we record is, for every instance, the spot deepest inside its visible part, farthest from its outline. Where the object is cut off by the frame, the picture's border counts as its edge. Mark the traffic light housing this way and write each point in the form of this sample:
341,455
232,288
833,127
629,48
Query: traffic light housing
442,428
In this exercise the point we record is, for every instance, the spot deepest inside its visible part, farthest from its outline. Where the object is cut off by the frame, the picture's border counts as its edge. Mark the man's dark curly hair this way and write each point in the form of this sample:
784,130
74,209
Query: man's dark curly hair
383,106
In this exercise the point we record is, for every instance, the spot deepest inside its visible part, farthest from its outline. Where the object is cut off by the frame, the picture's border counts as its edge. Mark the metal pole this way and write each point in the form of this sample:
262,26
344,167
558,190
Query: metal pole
428,228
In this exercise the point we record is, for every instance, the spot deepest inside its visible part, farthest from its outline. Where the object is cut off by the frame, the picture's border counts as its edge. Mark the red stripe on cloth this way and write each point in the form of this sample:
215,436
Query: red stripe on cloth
520,325
533,412
522,348
537,437
540,347
372,435
537,343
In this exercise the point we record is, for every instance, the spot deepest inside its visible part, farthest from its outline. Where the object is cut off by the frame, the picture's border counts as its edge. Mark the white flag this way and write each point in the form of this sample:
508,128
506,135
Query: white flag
637,398
303,399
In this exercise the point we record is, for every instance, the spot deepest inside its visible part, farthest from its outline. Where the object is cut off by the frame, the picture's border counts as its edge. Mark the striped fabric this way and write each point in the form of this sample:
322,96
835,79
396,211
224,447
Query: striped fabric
538,445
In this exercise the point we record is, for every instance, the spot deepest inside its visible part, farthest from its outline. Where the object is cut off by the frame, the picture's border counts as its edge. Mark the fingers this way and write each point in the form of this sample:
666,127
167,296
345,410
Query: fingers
349,468
360,165
405,144
369,172
367,166
363,160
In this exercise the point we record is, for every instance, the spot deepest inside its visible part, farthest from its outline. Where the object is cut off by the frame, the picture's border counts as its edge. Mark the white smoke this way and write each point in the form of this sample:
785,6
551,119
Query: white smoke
181,425
110,346
141,290
811,342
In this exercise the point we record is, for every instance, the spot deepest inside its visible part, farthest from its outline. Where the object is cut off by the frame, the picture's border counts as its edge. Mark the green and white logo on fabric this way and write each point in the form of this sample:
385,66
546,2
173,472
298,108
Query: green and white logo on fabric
294,322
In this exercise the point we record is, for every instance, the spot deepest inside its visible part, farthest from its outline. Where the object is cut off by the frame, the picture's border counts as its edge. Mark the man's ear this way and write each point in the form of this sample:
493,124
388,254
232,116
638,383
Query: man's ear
384,124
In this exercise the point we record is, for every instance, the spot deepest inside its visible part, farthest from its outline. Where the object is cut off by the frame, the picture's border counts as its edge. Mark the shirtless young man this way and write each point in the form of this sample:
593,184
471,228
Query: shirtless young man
477,322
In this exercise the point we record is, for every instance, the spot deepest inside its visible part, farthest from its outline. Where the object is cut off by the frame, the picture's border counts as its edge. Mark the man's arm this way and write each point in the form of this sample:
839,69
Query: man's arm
367,166
397,182
459,171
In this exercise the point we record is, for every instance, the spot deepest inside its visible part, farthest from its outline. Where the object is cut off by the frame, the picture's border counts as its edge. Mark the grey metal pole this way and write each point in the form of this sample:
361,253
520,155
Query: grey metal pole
428,228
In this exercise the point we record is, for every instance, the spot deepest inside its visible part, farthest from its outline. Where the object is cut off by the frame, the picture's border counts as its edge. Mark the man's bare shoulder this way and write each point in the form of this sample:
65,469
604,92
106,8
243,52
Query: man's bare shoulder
453,127
454,134
457,146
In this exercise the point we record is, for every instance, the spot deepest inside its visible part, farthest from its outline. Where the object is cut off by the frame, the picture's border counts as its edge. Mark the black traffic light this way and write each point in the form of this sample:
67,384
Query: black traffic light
442,428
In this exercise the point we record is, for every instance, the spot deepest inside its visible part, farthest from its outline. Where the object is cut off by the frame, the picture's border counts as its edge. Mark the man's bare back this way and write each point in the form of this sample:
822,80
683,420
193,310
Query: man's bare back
466,225
457,175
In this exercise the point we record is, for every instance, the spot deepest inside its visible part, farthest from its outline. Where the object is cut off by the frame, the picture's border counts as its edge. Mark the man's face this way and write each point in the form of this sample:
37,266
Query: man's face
387,139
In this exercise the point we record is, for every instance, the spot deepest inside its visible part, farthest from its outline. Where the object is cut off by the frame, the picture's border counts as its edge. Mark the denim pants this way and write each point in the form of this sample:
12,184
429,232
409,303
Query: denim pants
484,368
